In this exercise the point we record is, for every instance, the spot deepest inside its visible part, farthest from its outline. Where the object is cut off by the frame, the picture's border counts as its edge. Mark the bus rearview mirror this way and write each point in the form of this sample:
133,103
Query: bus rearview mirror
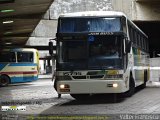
128,46
51,48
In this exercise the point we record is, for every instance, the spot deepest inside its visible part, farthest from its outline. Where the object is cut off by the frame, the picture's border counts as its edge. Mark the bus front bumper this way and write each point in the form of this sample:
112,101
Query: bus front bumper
91,86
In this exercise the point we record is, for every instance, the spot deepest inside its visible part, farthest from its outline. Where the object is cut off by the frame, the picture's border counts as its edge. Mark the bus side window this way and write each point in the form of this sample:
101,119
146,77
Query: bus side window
7,57
12,57
19,57
25,56
31,58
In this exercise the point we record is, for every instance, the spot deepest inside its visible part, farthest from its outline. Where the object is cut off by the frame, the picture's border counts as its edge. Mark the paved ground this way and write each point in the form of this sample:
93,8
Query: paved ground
39,97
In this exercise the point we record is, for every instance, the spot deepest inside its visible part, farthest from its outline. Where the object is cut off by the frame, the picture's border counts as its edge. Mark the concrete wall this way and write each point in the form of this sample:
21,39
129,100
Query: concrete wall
45,30
147,10
65,6
125,6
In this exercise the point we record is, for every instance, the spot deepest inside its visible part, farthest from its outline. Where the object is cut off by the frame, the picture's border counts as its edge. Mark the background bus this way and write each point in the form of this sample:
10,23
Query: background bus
18,65
100,52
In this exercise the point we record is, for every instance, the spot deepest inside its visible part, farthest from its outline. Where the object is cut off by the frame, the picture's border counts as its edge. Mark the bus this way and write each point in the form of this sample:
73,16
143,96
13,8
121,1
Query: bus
100,52
18,65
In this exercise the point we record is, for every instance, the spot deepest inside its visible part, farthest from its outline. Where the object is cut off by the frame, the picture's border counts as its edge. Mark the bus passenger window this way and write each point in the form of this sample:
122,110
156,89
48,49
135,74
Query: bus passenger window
7,57
25,56
12,57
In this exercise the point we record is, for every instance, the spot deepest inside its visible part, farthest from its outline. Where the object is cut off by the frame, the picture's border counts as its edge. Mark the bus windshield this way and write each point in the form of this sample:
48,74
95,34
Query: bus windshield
104,52
69,25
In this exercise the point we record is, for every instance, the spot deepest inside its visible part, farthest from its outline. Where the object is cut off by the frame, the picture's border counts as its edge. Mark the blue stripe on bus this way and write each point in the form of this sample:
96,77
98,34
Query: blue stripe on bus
23,79
2,66
23,64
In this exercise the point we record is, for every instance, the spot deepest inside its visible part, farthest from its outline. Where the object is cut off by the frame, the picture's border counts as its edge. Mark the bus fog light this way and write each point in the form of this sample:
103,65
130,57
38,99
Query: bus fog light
115,85
64,86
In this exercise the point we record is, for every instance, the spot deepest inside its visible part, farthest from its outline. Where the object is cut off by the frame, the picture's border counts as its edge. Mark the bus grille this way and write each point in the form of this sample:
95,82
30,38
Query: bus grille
88,77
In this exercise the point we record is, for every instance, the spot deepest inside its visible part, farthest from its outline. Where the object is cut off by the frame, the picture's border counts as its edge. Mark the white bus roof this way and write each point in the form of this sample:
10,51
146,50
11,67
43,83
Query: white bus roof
93,13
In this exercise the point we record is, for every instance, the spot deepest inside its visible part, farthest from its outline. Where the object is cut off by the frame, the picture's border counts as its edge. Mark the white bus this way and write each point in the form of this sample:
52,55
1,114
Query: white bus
100,52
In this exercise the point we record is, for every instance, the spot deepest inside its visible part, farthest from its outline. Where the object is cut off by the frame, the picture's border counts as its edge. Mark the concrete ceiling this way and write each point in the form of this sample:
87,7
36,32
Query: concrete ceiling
23,16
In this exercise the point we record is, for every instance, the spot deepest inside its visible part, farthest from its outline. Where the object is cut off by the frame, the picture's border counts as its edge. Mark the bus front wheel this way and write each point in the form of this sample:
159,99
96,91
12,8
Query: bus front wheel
80,96
145,80
131,90
4,80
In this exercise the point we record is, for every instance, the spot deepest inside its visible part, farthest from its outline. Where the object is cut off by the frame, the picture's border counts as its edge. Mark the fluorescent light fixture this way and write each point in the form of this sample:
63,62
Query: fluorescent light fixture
7,10
7,22
8,43
6,33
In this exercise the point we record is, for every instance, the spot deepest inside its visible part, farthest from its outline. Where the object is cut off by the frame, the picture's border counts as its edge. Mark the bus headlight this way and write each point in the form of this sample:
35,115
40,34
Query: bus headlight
115,85
64,86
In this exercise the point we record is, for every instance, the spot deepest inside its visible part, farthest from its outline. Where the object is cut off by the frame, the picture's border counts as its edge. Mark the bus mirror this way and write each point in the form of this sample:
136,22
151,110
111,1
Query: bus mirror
128,46
51,48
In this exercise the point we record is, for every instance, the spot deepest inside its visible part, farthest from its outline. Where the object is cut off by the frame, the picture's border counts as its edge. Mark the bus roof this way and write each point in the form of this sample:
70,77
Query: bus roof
93,14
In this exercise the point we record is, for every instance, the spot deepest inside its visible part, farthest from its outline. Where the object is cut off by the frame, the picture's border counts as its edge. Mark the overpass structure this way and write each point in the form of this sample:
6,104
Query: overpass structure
31,23
18,19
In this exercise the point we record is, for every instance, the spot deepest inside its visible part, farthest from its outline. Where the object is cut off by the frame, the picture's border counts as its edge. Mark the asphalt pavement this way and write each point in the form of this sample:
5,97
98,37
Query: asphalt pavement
40,98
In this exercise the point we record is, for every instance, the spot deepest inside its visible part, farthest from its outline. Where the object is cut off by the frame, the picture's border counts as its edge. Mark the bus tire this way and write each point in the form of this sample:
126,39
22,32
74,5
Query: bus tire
80,96
131,90
4,80
145,79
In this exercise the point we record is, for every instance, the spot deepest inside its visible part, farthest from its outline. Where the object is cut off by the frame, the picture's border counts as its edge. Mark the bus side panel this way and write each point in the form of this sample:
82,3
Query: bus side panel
23,79
140,65
2,65
20,72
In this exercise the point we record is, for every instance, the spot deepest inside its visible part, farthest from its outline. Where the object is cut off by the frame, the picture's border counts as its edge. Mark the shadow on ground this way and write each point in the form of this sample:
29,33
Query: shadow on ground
97,99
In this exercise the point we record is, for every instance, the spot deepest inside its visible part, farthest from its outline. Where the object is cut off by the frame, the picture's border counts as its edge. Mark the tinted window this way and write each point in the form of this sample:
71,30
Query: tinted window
101,52
68,25
7,57
25,56
135,37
